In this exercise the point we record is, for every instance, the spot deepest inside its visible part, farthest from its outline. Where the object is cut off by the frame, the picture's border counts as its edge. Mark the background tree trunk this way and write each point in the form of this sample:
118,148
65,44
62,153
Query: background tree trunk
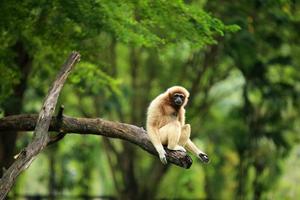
14,106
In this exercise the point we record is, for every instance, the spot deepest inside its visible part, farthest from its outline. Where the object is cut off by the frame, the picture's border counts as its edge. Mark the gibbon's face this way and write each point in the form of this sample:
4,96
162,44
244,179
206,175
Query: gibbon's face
178,99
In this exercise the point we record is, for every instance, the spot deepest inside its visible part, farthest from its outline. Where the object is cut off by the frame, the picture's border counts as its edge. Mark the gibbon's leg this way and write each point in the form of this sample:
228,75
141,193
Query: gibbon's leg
185,134
154,135
169,135
190,146
163,134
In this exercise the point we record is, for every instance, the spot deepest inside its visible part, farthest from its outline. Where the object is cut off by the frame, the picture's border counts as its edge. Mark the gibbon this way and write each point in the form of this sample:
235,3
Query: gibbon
166,124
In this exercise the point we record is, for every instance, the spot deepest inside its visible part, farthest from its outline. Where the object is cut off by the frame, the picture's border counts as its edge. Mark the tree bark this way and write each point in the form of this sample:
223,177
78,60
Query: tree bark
41,137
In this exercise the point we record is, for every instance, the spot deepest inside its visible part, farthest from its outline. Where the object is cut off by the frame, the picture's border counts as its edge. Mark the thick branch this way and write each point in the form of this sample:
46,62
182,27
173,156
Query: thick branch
95,126
41,137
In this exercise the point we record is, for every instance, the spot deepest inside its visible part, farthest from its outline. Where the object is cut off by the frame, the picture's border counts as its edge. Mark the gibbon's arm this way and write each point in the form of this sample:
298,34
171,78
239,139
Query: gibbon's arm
153,133
182,116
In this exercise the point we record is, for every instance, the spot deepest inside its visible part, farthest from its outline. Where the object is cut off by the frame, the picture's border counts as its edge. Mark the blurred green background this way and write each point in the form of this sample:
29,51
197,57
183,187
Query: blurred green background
239,60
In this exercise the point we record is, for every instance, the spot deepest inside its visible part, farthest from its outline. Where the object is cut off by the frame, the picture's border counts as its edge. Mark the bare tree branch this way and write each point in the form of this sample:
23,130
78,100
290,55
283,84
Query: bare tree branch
95,126
41,136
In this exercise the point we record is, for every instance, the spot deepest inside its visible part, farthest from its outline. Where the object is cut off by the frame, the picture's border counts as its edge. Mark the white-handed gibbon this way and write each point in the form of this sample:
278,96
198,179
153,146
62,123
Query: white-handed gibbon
166,124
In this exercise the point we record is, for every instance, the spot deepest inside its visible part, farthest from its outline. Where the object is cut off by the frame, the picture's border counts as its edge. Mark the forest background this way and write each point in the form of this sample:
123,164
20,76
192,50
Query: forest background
239,60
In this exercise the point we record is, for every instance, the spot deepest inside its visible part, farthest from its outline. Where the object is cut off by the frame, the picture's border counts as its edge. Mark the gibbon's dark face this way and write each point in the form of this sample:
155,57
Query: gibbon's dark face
178,99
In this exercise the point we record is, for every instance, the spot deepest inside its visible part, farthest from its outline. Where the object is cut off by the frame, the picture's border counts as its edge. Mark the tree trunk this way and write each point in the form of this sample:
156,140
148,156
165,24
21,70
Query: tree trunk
257,185
131,189
242,178
14,106
52,174
127,166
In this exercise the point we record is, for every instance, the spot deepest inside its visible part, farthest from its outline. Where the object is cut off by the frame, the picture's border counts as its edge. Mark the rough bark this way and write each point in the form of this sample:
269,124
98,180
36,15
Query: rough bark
41,137
95,126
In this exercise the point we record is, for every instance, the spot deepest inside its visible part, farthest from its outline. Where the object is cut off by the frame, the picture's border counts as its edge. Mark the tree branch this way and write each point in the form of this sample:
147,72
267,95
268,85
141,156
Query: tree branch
60,134
95,126
41,137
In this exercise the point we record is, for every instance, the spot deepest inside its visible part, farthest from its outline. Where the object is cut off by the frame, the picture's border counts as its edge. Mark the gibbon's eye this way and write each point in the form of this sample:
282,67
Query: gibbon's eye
176,95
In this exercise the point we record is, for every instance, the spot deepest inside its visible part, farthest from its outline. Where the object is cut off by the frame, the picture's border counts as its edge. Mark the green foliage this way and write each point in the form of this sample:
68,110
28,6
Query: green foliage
89,79
46,26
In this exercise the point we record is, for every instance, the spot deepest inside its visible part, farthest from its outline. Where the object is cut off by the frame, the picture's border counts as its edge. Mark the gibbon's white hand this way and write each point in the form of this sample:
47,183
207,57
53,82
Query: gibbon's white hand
162,156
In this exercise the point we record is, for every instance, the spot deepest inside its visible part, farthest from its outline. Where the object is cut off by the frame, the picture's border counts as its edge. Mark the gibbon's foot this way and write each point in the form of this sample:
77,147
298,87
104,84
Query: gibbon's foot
203,157
162,157
178,148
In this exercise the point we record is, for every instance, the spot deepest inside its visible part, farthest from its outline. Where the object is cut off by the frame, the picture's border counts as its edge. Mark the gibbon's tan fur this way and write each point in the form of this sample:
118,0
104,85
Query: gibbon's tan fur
166,123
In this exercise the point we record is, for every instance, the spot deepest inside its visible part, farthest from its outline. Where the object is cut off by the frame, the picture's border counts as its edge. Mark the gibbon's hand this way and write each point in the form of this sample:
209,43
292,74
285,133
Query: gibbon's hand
203,157
162,156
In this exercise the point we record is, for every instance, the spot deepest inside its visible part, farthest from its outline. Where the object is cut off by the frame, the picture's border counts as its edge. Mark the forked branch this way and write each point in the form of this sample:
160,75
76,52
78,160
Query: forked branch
41,137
